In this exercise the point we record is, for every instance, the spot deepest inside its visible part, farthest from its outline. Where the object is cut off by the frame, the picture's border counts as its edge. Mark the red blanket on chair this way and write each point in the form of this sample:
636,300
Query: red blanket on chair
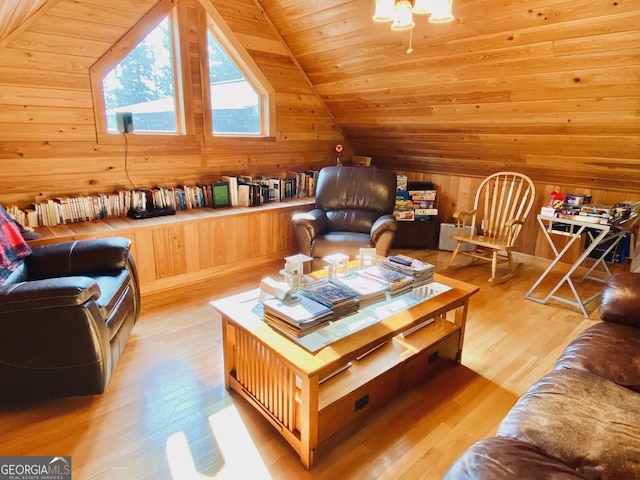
13,248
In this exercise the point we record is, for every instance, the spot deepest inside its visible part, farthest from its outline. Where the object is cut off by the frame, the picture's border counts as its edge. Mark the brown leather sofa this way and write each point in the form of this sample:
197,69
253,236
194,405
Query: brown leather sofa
64,324
582,420
354,209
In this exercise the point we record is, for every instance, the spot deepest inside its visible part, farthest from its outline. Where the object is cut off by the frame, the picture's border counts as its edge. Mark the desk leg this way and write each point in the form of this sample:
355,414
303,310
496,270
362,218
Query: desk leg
228,347
601,259
579,303
567,278
555,261
309,421
460,319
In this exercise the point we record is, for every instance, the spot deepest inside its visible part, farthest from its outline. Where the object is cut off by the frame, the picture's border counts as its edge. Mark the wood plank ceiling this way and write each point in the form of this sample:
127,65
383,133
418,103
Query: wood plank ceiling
14,13
546,87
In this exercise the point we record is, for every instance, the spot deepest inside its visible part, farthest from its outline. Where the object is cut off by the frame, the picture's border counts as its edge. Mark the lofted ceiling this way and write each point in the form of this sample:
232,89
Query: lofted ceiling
15,13
546,87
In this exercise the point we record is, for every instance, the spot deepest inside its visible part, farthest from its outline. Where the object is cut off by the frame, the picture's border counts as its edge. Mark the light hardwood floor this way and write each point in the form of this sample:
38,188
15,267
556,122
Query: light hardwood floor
167,415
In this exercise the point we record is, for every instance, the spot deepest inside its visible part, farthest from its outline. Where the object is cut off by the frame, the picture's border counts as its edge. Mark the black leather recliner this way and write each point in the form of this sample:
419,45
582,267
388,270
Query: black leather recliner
63,328
354,209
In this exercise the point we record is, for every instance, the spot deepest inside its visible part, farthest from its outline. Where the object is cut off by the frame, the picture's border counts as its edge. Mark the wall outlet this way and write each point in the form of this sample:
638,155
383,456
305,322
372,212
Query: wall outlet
124,122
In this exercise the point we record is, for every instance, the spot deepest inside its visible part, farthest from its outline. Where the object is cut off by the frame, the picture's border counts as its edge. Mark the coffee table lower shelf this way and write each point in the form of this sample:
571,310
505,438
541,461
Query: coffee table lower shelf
370,384
312,416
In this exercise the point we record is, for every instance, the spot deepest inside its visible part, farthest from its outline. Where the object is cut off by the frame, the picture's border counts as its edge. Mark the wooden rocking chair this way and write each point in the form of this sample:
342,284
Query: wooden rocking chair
500,208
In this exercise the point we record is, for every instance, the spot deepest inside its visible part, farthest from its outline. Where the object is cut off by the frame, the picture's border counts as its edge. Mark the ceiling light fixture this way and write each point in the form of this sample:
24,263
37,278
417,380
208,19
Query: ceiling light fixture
400,13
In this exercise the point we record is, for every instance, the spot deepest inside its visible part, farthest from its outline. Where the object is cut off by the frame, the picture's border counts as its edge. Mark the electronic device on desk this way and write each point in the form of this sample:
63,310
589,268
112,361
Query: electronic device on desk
400,260
139,213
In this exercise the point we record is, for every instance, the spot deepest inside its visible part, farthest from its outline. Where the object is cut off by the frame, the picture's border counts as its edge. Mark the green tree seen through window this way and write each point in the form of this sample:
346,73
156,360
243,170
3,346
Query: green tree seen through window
142,83
221,67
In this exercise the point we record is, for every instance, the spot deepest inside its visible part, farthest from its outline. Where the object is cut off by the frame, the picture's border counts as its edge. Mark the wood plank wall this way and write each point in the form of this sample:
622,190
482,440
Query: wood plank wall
456,193
47,129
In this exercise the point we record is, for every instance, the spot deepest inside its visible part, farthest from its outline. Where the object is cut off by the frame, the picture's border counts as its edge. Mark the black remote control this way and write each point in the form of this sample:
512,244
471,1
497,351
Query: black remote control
400,260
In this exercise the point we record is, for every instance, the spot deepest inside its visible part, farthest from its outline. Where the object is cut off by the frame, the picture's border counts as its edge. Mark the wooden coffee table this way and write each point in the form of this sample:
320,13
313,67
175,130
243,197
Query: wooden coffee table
282,378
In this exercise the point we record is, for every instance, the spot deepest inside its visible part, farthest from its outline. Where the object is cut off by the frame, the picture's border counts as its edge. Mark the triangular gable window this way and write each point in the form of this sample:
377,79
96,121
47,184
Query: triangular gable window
142,84
143,77
239,100
235,104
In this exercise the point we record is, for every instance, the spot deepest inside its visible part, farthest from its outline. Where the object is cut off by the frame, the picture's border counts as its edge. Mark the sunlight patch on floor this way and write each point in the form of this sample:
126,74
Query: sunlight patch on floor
241,457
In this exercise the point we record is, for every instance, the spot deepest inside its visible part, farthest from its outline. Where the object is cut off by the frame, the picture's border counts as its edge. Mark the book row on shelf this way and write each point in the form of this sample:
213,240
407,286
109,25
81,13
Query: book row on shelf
244,191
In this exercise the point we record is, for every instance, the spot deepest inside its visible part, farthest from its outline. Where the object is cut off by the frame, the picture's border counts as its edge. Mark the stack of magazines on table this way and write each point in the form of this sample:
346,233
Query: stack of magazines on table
396,282
324,300
310,308
368,290
421,272
296,315
341,300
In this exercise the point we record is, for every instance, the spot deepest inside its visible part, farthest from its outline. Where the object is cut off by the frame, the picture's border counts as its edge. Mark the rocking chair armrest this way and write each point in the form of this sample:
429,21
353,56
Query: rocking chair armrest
460,216
513,225
461,219
513,222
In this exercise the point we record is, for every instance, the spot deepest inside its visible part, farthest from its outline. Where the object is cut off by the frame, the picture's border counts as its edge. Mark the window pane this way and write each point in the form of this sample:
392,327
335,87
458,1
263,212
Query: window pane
143,85
235,105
